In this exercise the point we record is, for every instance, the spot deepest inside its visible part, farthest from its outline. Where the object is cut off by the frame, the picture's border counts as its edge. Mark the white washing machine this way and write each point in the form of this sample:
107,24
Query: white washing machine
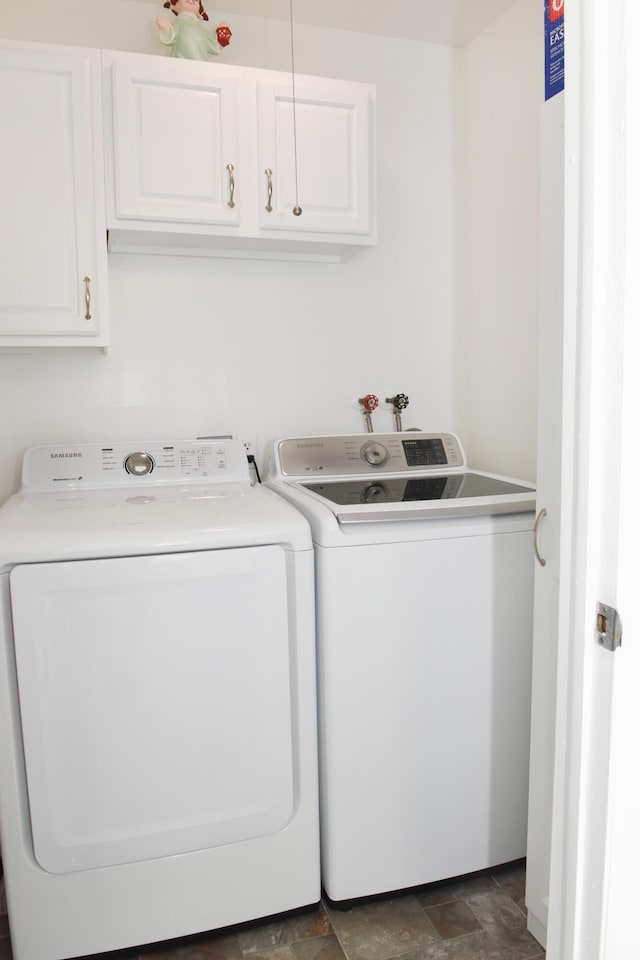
424,581
158,764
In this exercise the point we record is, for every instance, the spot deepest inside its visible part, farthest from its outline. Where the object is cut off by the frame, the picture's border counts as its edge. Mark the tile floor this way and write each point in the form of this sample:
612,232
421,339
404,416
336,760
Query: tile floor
480,917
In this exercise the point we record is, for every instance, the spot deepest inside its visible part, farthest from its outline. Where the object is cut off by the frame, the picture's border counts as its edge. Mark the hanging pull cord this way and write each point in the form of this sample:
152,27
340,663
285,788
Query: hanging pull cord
297,210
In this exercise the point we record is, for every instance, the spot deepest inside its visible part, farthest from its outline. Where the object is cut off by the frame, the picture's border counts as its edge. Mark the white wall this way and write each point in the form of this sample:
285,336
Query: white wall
203,346
502,89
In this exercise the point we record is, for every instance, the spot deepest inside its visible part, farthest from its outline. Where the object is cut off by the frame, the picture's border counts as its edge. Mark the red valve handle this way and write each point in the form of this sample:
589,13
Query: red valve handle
370,402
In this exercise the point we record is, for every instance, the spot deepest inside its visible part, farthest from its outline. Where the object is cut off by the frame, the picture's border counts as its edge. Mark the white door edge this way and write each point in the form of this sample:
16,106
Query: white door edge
582,868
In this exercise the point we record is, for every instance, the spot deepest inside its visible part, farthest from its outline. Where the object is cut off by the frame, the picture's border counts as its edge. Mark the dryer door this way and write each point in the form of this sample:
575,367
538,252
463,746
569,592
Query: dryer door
156,703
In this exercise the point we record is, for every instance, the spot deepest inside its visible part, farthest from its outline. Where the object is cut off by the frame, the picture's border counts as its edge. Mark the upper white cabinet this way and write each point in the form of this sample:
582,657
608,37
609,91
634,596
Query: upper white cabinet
204,159
331,154
52,228
176,143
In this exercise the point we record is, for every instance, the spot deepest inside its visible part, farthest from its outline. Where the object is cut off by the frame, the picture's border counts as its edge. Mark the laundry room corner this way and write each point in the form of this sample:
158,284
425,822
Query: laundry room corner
498,211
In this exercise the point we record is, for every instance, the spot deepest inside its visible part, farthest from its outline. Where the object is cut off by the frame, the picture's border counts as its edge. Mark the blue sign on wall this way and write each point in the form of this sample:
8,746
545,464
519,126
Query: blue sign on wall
554,47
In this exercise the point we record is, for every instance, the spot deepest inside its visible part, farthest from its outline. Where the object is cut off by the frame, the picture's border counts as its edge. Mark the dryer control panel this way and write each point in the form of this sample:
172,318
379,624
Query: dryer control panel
129,464
359,454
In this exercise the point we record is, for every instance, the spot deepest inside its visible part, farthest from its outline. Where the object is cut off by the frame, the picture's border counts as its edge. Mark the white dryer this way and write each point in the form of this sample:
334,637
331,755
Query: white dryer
158,765
424,581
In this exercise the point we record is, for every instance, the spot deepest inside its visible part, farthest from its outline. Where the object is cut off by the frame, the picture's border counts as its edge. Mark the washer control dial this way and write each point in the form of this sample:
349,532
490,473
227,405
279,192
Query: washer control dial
374,453
139,464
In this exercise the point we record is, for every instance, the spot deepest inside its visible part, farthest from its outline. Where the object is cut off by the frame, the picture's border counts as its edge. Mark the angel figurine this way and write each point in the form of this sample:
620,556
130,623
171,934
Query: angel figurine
187,36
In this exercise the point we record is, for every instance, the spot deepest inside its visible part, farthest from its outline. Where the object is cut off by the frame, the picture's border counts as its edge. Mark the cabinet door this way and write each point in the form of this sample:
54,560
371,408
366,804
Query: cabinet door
330,137
175,143
52,228
547,577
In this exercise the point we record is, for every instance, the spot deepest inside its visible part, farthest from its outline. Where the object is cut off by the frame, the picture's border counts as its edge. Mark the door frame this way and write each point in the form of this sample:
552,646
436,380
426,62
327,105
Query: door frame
588,858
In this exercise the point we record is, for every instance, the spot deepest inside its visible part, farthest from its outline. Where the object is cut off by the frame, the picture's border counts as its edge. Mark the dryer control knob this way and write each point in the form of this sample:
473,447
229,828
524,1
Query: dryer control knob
374,453
139,464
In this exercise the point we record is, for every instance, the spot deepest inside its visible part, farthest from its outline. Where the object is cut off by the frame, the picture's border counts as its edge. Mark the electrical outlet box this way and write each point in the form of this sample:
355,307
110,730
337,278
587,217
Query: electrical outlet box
250,442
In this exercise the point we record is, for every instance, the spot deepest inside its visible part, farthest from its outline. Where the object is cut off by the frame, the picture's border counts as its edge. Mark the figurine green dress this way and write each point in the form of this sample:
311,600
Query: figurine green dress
189,38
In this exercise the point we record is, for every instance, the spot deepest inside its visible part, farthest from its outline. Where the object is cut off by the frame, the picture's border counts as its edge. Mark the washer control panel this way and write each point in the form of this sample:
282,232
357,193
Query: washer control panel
128,464
360,454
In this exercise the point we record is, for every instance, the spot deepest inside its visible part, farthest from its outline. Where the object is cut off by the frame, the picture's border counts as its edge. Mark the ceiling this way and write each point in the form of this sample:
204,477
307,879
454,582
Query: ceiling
451,22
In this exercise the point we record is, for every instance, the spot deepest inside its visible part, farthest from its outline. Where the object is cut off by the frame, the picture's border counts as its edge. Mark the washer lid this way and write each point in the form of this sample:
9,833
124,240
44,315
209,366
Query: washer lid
415,489
373,478
376,503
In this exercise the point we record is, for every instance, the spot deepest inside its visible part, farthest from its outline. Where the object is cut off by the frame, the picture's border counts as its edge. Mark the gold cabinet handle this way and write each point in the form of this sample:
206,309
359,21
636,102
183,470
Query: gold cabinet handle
87,297
269,174
541,515
232,186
